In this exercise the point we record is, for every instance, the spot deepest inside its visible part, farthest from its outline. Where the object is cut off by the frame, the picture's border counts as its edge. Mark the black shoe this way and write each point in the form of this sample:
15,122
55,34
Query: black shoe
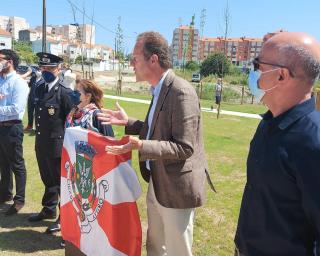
63,243
42,216
14,209
5,199
53,228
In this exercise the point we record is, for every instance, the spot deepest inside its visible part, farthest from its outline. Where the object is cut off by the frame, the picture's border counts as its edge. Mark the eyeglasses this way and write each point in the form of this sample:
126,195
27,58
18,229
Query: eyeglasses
256,65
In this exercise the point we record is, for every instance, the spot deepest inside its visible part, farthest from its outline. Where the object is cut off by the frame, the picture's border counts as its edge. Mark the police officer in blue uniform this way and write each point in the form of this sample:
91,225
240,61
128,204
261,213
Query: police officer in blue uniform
52,105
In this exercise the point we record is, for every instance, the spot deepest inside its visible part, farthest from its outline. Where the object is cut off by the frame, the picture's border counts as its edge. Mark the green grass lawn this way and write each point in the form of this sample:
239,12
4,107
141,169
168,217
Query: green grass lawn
226,142
246,108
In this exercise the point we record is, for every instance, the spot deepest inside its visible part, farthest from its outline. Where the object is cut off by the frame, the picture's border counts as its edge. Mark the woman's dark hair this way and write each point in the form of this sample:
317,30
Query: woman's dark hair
93,88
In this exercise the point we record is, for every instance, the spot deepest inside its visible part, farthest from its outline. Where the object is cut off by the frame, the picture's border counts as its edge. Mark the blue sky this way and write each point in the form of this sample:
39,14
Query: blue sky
250,18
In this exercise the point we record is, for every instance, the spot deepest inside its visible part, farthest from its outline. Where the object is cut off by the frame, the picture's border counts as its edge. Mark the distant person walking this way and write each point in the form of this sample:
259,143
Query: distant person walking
218,91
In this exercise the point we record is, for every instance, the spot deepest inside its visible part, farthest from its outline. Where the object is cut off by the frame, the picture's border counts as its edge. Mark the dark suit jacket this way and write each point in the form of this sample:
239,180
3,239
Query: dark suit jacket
175,148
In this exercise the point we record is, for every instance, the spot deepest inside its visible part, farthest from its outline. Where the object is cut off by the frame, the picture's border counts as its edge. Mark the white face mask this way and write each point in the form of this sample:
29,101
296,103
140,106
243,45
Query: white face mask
3,66
255,89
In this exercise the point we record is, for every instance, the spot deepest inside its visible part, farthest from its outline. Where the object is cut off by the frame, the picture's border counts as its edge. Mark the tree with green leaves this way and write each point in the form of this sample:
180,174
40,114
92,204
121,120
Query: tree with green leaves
215,64
80,59
24,50
192,65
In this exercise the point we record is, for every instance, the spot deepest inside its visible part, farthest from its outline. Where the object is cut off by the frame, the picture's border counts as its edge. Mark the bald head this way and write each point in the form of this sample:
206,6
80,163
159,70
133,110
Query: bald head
298,51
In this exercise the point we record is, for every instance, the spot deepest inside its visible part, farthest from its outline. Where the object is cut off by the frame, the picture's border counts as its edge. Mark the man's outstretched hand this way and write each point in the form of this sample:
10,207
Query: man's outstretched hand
113,117
134,143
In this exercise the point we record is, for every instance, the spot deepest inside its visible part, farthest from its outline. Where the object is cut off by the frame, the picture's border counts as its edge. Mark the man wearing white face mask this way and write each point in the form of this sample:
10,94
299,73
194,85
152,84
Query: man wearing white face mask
280,211
13,98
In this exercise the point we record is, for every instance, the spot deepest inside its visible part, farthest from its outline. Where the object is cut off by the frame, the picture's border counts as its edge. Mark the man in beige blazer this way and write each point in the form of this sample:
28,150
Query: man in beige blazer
170,146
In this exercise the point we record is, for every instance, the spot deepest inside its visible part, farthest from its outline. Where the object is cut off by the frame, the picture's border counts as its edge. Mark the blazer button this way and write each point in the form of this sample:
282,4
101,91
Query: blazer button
38,125
40,108
39,133
39,117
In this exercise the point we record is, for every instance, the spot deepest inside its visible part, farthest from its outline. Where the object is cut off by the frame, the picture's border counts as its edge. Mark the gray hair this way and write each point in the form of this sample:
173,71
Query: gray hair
300,61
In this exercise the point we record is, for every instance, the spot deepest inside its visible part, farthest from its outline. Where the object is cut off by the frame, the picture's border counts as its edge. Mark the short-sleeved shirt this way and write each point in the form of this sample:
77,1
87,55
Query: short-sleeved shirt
280,211
218,89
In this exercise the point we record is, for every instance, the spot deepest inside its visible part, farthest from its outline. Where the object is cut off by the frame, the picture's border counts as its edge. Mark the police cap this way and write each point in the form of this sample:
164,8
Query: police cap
48,59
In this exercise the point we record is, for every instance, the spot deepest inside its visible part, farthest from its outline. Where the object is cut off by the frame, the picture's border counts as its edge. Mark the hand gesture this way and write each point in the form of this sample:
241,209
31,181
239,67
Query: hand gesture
113,117
134,143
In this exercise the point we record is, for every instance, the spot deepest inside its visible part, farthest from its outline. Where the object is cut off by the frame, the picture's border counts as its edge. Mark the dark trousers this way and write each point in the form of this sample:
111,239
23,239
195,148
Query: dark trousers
31,109
218,99
50,175
12,161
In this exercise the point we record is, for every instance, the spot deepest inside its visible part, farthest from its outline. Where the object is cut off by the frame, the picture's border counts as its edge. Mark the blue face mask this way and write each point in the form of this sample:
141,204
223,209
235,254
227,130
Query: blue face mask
255,89
75,97
48,77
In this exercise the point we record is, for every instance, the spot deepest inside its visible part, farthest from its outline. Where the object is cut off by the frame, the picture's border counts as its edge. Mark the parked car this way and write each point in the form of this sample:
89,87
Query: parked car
196,77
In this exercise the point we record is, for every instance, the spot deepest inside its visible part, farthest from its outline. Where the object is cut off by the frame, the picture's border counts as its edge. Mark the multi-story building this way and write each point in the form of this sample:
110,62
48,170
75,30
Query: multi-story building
70,32
5,39
184,45
29,35
13,25
88,34
73,50
240,51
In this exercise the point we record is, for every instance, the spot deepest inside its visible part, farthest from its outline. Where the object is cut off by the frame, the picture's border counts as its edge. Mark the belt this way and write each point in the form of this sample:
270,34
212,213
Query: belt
10,122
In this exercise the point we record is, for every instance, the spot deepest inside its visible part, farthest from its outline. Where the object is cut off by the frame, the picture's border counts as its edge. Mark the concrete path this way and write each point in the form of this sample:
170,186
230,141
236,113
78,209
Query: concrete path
222,112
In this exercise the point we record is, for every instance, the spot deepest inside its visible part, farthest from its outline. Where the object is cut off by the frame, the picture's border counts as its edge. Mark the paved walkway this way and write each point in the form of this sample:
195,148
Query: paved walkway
222,112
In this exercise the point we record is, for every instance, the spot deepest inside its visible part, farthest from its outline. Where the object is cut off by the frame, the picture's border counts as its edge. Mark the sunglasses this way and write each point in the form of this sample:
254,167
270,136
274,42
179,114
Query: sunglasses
256,65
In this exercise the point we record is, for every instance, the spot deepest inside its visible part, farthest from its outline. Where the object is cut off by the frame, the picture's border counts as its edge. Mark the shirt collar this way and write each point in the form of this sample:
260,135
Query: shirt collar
156,90
290,116
50,85
7,76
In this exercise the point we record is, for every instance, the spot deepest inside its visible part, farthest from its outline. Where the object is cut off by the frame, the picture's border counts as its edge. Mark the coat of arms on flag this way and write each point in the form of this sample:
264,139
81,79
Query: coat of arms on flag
99,214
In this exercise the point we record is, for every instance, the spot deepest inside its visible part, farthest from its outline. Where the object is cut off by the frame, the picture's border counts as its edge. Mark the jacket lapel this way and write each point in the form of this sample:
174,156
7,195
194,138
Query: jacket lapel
162,96
50,94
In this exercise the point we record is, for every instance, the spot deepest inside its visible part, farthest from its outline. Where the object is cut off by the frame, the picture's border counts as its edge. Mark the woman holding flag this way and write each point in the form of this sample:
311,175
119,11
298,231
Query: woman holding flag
87,99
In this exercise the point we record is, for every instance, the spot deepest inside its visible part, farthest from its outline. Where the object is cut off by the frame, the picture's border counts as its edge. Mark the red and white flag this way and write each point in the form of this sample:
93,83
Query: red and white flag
99,214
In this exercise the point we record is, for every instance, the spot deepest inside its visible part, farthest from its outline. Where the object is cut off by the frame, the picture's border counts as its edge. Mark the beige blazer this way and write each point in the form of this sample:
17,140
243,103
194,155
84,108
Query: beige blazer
175,149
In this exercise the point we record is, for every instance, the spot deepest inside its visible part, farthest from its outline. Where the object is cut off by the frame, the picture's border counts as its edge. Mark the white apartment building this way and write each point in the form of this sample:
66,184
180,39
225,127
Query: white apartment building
13,25
5,40
29,35
88,34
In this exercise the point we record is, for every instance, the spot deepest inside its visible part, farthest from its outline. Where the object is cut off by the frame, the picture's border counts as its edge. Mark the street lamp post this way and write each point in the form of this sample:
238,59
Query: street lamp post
44,26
